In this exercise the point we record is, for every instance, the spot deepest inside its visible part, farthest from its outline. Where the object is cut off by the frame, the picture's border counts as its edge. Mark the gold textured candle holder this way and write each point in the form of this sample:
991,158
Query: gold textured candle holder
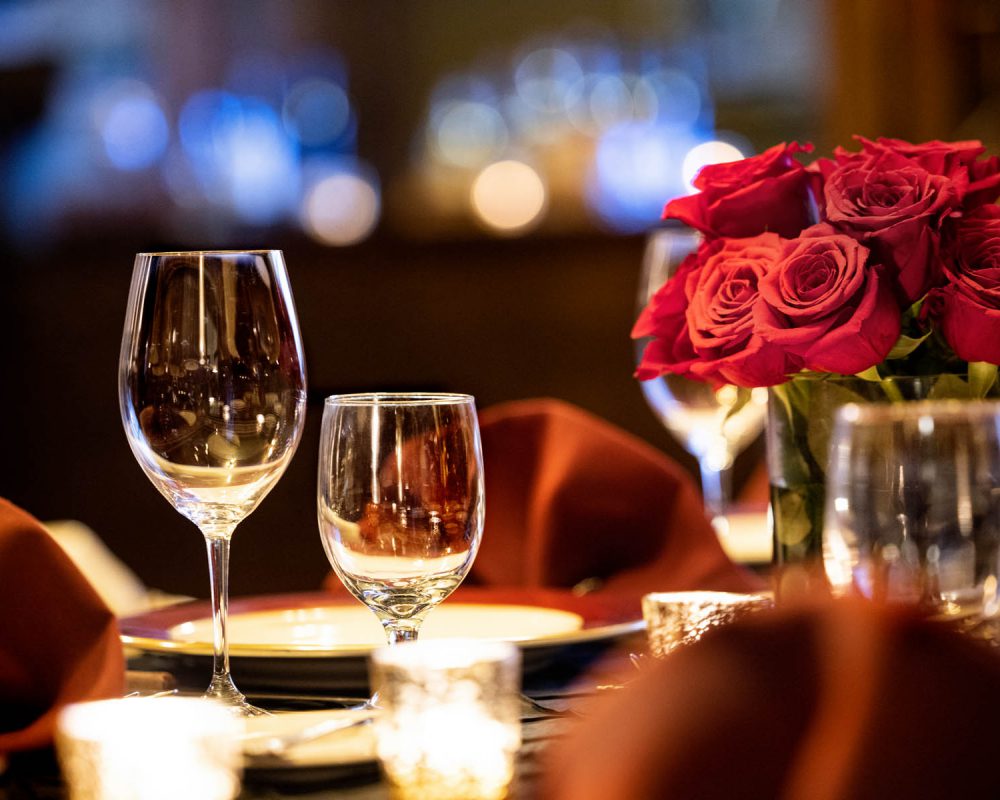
450,727
674,619
149,749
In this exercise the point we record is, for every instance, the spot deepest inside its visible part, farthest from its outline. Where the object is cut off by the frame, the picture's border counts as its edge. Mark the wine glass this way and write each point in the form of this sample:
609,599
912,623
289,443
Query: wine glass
713,424
400,500
913,506
212,390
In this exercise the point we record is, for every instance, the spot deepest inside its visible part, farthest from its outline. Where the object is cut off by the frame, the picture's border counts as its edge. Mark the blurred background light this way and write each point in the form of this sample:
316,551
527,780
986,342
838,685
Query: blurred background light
701,155
545,78
342,205
132,124
636,168
469,133
316,112
508,196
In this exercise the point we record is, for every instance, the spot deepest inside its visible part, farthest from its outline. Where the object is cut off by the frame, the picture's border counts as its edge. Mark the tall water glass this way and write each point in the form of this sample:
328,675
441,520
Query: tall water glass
400,500
212,391
714,424
913,505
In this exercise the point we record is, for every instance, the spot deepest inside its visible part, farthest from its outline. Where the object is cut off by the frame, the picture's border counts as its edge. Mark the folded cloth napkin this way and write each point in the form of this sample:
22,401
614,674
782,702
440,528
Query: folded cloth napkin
573,500
58,640
839,700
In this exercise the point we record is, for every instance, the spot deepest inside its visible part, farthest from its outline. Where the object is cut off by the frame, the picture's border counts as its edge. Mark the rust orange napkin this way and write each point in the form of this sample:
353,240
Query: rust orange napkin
837,700
571,497
58,640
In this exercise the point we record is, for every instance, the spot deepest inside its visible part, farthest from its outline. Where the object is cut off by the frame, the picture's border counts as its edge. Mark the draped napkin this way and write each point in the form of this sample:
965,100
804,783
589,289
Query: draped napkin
58,640
574,501
836,700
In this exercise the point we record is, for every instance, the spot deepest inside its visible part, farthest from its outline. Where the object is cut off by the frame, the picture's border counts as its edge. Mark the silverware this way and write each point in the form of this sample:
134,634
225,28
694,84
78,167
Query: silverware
276,745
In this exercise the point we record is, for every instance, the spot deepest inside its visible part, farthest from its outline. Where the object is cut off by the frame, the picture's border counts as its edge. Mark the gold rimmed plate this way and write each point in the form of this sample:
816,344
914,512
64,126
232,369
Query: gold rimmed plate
318,642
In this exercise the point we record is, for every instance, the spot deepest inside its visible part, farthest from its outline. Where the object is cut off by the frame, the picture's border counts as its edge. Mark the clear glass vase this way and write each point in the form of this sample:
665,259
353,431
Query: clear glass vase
800,415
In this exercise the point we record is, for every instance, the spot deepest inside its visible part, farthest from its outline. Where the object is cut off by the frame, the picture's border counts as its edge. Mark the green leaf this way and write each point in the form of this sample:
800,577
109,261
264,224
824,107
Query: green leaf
950,387
906,345
982,376
870,374
823,405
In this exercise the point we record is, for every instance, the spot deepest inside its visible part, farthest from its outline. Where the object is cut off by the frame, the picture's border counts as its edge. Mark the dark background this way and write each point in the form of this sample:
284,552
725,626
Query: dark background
429,300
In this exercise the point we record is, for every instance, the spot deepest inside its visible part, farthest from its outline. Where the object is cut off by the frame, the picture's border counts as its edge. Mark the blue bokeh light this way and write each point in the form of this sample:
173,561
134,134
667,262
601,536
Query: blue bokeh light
135,131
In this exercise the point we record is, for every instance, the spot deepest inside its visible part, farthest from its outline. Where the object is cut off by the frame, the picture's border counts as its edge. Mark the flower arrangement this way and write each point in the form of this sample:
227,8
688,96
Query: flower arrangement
880,262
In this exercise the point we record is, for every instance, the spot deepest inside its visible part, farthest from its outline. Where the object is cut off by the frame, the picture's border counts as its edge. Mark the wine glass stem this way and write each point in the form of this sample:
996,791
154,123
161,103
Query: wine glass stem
397,631
716,488
217,540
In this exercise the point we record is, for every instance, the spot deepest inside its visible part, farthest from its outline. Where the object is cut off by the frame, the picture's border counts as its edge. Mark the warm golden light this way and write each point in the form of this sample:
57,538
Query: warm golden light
675,619
451,721
150,749
509,196
341,209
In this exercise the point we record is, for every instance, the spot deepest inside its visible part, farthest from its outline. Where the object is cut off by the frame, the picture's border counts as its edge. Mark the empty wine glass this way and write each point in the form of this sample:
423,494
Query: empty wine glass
913,505
400,500
713,424
212,390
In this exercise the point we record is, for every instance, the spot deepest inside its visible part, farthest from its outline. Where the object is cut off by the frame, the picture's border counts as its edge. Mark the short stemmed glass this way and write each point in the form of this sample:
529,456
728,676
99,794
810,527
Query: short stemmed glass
400,500
913,506
212,391
714,424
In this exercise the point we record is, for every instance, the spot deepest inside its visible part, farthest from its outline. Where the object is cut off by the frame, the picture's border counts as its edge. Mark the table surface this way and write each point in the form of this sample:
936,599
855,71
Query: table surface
37,776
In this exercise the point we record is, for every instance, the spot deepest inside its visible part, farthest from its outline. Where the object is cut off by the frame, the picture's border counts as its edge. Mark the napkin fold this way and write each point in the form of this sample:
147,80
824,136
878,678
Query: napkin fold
572,500
841,699
58,640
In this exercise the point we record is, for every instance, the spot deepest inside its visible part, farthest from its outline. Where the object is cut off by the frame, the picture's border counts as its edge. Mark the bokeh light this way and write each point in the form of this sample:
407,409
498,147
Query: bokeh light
317,112
342,207
509,196
469,133
132,125
701,155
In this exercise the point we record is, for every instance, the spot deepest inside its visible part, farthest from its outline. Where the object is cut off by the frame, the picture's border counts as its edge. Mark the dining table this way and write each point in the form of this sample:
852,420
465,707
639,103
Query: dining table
561,674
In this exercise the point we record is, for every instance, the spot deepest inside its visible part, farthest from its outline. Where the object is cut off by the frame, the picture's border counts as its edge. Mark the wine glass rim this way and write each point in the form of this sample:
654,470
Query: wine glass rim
944,408
253,252
398,398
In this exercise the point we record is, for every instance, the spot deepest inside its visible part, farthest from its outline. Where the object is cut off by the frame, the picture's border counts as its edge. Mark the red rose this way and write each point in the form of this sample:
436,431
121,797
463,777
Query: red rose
770,192
701,320
978,182
967,307
895,207
826,305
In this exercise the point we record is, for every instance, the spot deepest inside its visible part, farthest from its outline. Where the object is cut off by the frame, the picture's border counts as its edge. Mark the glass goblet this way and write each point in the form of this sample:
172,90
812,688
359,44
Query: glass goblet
713,424
913,510
212,391
400,500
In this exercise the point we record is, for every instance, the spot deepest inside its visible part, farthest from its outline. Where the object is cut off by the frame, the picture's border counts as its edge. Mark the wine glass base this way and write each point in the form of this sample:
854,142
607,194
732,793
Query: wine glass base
225,692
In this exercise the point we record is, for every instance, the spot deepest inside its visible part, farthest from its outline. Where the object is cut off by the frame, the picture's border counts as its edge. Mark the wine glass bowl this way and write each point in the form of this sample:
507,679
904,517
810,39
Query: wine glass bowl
400,500
212,393
913,509
714,424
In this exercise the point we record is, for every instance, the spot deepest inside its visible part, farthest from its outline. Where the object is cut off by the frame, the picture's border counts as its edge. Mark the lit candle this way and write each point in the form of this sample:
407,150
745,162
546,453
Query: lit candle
150,749
451,723
674,619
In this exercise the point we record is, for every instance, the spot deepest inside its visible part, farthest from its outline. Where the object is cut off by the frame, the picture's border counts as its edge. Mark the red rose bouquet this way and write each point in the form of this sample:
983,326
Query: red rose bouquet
872,275
876,263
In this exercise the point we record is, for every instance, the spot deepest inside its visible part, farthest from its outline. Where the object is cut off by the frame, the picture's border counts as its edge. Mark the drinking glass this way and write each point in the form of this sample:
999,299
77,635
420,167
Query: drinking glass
913,506
212,390
400,500
713,424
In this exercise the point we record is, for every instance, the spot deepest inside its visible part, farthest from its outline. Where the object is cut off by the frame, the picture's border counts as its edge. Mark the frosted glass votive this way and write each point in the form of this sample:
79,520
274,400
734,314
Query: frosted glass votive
150,749
674,619
451,722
